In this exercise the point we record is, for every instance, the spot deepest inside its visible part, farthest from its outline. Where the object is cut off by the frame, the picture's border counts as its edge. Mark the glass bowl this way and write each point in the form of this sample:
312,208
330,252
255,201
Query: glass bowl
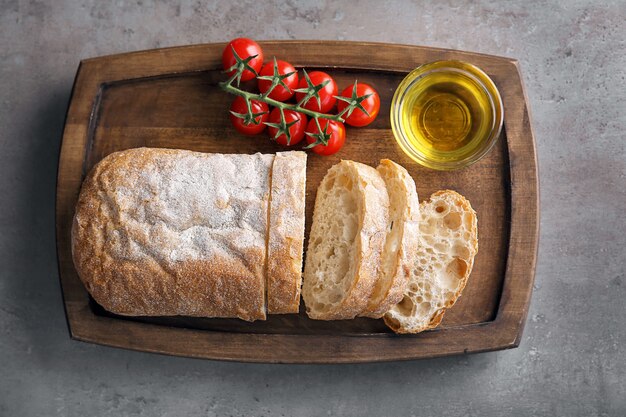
446,115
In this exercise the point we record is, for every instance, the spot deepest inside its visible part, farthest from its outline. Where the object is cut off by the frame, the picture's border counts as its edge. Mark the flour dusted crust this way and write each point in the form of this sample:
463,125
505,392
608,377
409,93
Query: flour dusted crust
164,232
286,233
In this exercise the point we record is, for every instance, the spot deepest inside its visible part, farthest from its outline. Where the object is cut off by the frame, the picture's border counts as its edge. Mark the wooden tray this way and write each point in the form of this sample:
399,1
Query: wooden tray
169,98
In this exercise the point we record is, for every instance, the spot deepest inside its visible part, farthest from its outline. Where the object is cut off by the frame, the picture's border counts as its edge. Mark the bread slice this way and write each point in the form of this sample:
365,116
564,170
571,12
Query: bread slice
286,233
346,241
401,242
161,232
448,242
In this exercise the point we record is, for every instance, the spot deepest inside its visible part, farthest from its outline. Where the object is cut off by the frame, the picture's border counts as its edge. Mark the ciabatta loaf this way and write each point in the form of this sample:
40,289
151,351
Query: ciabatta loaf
401,242
346,241
448,242
164,232
286,233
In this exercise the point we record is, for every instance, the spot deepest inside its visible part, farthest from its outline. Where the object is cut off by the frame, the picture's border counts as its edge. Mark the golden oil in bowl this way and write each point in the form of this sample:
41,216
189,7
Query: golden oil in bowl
446,115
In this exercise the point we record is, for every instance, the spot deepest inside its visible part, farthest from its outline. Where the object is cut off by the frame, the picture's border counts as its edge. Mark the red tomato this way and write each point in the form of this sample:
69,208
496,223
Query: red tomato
244,48
337,133
239,106
327,94
279,92
296,130
370,104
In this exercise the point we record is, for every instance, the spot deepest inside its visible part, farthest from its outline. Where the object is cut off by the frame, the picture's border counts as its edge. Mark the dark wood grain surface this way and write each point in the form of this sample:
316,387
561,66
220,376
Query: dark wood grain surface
169,98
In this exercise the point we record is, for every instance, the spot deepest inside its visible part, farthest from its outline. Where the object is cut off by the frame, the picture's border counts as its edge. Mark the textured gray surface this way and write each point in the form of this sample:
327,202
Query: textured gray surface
572,357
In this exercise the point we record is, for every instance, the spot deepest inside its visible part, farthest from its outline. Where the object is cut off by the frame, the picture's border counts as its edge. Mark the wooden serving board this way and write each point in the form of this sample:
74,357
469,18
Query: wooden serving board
170,98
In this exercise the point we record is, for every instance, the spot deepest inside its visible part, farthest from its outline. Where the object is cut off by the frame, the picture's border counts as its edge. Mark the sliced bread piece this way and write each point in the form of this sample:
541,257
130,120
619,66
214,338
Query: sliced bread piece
448,242
346,241
286,233
401,243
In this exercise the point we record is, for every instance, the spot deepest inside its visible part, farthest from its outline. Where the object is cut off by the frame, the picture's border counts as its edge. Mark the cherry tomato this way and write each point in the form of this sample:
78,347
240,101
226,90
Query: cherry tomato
244,48
296,130
337,133
279,92
239,106
370,104
327,94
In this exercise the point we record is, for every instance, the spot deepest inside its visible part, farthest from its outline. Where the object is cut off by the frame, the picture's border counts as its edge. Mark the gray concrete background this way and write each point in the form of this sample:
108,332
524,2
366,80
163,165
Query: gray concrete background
571,360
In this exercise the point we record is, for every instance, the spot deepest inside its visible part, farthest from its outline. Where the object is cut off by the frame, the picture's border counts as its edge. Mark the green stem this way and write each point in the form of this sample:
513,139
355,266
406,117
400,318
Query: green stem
229,88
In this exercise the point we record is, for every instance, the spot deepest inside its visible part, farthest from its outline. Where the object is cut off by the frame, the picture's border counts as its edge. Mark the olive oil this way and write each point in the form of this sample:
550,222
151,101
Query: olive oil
446,114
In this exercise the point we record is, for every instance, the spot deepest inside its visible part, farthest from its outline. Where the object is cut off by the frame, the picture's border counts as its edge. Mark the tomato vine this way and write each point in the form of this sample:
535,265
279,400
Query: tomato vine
311,91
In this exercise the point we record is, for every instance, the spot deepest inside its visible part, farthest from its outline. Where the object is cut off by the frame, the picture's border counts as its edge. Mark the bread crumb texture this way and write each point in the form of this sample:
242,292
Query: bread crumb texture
448,243
346,241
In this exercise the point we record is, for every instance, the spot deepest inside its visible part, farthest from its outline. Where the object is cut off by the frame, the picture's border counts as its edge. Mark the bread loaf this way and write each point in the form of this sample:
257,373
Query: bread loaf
448,243
346,241
164,232
401,241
